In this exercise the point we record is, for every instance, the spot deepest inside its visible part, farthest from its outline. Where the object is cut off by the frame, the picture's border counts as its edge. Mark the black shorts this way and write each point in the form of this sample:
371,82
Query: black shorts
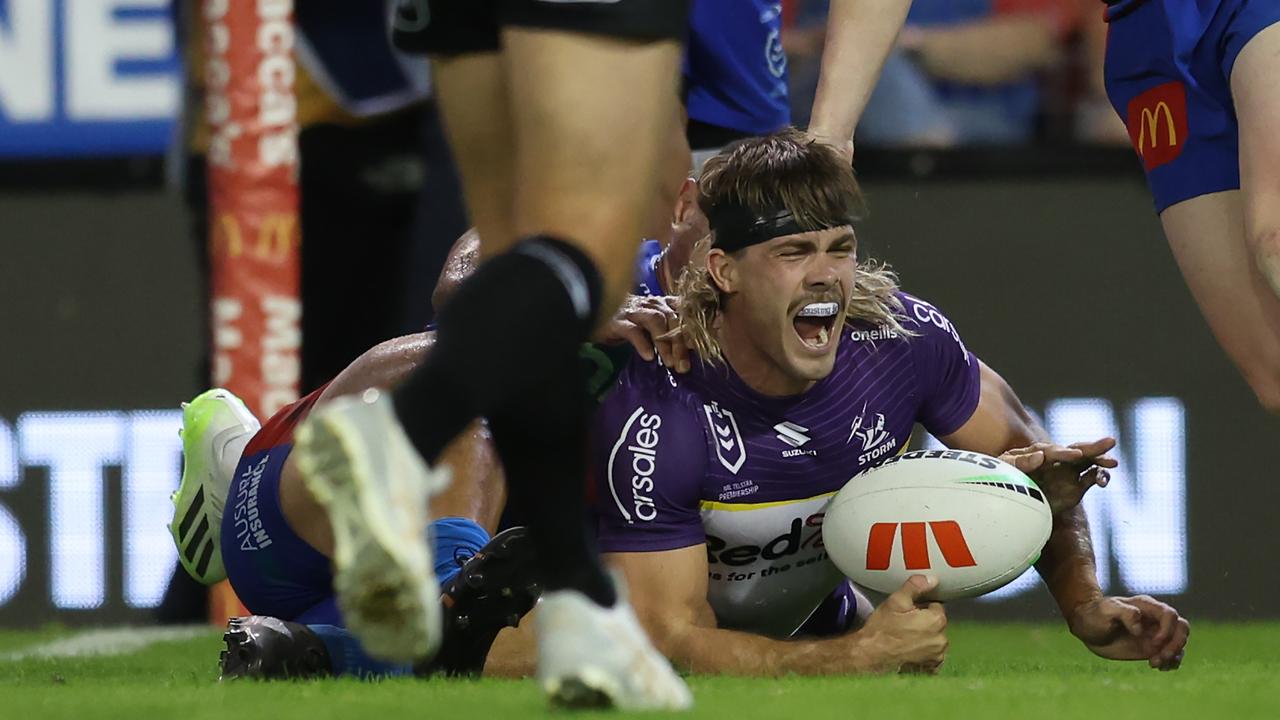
460,27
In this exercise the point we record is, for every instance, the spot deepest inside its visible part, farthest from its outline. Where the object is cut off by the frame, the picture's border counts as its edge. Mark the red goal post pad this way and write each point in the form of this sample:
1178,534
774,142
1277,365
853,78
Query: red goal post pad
254,234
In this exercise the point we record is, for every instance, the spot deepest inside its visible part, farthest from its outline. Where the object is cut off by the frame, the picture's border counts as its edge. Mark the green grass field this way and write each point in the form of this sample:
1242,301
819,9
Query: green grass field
993,672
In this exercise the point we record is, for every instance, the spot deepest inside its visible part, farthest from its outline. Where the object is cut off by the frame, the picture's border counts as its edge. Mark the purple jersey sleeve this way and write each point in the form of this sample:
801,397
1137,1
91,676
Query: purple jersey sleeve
949,376
649,460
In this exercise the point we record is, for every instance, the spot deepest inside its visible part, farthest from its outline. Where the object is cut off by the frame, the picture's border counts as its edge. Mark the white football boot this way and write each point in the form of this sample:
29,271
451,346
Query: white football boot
216,427
594,657
358,463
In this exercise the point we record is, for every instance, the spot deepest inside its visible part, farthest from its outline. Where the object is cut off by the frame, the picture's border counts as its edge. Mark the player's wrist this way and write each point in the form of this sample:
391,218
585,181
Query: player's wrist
830,136
868,651
1075,603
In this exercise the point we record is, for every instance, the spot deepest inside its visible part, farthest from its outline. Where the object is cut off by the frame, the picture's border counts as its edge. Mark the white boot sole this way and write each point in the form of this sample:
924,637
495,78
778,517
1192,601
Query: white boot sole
386,584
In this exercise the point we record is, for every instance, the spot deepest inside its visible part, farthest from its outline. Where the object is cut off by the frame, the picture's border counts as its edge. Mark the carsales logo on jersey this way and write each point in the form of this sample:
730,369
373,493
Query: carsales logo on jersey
639,462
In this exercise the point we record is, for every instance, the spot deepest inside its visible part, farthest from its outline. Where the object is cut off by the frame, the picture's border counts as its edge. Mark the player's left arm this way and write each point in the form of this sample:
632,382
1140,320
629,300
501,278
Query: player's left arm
1120,628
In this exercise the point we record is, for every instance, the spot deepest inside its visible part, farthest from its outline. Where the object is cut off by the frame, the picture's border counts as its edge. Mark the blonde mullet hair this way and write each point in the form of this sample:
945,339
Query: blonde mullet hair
813,183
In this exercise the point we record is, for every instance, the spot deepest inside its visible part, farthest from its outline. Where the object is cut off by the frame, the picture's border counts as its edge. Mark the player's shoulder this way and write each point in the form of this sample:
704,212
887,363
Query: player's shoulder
931,326
913,314
650,412
647,376
922,316
649,383
921,327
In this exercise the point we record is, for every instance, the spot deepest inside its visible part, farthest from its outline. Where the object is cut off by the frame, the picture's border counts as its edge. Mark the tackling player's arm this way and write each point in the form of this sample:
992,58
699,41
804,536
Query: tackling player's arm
1000,424
669,592
1121,628
860,34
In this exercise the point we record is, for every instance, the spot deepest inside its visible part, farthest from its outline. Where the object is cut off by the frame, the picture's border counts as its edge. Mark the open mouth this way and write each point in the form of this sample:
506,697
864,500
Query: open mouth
815,324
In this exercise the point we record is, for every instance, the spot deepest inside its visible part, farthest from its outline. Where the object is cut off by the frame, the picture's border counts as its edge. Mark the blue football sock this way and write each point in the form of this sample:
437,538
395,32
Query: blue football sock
455,539
347,657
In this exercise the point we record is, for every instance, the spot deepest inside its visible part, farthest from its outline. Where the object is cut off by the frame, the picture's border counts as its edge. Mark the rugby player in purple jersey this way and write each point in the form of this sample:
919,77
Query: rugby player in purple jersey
810,368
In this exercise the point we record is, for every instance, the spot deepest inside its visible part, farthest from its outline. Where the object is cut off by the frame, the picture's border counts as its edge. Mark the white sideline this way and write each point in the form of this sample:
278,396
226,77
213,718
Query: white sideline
103,643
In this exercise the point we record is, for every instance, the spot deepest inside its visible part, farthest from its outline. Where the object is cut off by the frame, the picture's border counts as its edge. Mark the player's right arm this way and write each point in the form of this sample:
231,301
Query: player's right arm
669,593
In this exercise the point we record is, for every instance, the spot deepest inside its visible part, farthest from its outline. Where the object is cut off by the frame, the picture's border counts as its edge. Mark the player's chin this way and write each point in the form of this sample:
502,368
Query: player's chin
809,364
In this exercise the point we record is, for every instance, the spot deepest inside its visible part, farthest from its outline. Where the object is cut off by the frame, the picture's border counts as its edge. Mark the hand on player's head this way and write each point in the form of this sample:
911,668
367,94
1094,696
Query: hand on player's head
651,325
842,145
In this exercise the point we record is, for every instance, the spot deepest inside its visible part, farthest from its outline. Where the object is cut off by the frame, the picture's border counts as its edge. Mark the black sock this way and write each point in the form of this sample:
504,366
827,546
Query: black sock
507,349
497,334
541,437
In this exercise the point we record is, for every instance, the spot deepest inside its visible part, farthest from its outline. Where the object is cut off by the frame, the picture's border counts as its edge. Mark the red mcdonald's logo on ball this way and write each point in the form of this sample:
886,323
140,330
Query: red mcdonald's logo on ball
915,546
1157,121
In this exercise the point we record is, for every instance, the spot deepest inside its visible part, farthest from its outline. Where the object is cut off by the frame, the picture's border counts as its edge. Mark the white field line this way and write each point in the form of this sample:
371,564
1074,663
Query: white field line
103,643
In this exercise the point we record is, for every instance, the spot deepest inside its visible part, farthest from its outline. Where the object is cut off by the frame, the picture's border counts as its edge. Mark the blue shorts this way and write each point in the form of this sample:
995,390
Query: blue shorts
273,571
1168,76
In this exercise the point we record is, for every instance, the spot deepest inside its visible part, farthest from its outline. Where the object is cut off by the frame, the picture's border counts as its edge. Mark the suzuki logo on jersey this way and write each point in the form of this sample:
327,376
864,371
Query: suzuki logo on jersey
638,461
795,436
728,441
915,545
792,434
871,432
1157,121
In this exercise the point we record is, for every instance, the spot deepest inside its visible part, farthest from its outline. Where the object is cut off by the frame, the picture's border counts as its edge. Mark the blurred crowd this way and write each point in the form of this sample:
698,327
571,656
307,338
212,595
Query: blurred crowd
974,72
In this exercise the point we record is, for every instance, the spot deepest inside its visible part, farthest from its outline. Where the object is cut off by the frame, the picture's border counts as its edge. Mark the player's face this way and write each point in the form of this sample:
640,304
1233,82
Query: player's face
790,302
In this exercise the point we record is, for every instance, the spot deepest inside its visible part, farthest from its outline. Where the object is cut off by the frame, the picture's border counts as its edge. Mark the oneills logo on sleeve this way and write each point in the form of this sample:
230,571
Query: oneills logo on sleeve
1157,121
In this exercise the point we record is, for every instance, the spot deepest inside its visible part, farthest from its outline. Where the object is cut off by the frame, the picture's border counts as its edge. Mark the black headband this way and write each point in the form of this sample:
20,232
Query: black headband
736,227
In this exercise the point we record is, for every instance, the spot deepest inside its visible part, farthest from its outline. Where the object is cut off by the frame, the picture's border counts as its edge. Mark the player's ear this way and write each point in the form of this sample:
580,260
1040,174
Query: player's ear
686,202
723,270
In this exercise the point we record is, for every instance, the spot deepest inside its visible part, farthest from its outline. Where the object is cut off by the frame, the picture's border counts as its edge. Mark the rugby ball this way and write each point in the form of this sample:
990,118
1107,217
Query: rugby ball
969,519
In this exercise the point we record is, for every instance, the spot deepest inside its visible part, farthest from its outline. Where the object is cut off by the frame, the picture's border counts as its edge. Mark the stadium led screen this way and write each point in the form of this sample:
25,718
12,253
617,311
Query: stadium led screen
87,78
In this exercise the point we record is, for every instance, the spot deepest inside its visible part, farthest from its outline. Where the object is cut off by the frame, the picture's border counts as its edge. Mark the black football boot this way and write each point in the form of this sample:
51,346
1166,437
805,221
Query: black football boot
493,590
266,648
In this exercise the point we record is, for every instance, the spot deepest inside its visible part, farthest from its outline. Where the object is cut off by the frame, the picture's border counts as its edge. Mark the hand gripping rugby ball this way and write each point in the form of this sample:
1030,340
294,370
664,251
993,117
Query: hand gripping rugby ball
969,519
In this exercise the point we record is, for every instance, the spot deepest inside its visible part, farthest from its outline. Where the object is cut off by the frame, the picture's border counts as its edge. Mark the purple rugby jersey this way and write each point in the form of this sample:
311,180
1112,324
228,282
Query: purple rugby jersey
683,460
